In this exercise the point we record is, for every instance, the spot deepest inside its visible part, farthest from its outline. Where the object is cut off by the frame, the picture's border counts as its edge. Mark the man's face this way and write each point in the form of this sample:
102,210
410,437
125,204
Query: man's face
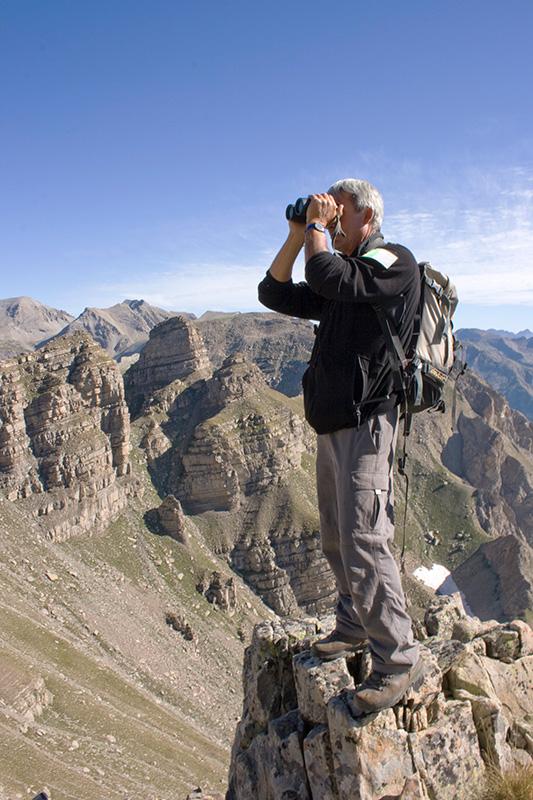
355,224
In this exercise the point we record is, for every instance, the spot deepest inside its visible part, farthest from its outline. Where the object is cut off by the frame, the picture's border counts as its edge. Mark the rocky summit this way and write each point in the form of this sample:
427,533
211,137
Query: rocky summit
299,736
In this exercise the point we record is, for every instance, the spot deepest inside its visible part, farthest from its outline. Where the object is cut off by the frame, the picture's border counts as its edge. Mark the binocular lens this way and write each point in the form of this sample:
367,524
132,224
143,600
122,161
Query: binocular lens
300,206
296,211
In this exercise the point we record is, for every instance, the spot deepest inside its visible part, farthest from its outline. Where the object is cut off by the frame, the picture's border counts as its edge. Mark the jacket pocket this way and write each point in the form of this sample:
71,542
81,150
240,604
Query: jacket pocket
328,392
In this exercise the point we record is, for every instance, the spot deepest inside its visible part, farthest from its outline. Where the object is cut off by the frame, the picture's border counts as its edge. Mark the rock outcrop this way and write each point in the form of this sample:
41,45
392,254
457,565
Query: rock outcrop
218,590
174,351
299,738
497,458
229,446
171,519
23,693
280,346
64,435
236,454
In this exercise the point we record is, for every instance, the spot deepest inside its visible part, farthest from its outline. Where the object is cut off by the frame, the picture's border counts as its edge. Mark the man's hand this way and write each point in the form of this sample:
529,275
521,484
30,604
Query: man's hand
323,209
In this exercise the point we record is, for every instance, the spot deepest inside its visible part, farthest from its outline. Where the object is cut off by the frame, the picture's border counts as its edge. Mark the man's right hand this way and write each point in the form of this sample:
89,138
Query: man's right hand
323,208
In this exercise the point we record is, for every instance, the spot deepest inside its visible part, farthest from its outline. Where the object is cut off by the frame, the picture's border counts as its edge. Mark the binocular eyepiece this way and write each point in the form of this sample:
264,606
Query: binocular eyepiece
297,211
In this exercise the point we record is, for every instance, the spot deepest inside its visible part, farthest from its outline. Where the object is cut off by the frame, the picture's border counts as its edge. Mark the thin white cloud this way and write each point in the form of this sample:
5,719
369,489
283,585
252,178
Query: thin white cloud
482,238
196,288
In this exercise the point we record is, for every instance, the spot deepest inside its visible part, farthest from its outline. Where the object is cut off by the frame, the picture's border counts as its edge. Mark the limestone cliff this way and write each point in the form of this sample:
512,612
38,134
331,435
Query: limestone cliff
299,738
238,457
64,435
174,350
279,345
497,458
497,579
505,361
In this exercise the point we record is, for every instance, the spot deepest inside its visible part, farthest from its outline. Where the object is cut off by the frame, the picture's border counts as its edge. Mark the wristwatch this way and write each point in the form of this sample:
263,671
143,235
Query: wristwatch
315,226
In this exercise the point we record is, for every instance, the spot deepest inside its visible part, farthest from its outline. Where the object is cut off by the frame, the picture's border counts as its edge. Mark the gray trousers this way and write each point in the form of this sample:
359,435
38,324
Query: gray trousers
355,501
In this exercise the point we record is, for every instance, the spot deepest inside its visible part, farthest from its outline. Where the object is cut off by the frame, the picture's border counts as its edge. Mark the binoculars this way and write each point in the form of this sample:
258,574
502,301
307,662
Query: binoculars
297,211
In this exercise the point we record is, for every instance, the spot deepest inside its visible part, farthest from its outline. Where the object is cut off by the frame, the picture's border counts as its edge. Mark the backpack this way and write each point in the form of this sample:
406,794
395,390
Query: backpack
421,373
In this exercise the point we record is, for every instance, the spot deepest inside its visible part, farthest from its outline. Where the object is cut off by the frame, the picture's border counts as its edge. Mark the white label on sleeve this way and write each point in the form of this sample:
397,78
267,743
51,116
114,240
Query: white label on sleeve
384,257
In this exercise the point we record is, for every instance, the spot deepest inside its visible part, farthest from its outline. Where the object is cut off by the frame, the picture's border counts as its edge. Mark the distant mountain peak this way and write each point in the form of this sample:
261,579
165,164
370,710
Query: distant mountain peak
134,304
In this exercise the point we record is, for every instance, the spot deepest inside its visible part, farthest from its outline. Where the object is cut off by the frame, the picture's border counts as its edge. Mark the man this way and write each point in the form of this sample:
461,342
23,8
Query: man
350,401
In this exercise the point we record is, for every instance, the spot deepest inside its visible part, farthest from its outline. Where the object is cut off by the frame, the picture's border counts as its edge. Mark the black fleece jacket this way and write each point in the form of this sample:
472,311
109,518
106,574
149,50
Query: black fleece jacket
348,377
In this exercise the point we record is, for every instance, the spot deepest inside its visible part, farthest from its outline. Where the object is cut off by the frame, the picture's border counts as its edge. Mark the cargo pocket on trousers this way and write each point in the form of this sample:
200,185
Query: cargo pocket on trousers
370,499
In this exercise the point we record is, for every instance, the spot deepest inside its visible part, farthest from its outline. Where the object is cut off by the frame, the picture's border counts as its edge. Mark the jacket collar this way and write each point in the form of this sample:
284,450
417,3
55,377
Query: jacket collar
374,240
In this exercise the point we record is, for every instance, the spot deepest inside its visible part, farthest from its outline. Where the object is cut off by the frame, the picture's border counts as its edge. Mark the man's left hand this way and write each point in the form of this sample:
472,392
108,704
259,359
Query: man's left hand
323,209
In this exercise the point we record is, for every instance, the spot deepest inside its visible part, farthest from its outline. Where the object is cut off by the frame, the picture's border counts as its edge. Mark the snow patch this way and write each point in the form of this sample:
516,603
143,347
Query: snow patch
439,578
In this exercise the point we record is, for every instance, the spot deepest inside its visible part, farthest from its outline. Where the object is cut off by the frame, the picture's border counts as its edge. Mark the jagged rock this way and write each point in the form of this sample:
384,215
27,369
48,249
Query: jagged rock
525,633
179,624
370,754
512,685
268,680
468,673
64,436
447,755
492,728
319,764
198,794
443,613
428,746
171,519
316,681
273,766
501,699
446,651
23,694
217,590
464,630
521,736
503,644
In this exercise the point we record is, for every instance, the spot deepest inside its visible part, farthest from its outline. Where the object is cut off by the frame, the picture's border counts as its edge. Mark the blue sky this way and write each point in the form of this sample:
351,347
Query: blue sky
149,148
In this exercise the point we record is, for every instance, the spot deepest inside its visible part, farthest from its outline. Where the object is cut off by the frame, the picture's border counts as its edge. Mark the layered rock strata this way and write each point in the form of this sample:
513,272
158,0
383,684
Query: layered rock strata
64,435
279,345
174,350
229,446
246,442
298,736
171,519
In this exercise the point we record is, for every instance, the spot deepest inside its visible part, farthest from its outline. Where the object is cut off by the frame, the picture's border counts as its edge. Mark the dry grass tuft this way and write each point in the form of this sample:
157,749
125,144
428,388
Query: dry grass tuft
515,784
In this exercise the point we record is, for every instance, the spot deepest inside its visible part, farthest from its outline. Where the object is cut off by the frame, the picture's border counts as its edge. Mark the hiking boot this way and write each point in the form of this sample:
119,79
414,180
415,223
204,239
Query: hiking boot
335,646
383,690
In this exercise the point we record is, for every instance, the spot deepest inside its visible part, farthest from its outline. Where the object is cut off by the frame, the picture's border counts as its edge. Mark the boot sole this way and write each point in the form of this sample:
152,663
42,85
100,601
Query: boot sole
340,654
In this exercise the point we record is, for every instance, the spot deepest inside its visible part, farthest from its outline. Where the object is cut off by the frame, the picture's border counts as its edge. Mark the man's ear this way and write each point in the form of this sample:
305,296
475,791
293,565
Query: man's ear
368,216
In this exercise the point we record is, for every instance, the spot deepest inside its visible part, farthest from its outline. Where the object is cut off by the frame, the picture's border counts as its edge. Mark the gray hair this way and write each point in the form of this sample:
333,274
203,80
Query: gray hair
364,196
